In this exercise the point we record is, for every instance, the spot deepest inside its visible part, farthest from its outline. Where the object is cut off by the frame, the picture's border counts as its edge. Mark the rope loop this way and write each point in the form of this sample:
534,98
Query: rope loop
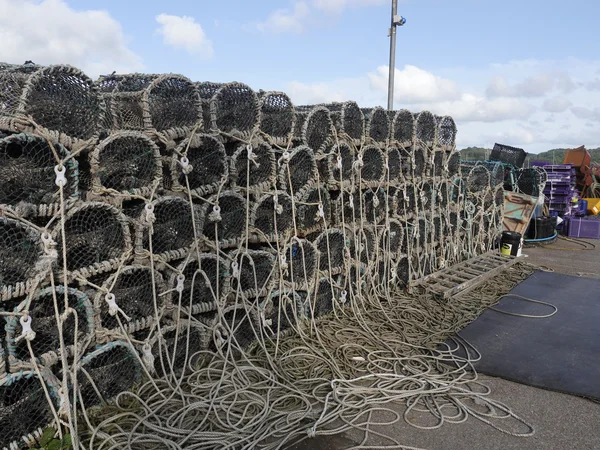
180,283
61,180
150,216
148,357
186,167
215,215
27,333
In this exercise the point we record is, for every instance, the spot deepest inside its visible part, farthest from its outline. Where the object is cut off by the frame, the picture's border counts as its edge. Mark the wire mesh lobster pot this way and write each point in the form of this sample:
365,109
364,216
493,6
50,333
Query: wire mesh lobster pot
258,173
277,117
441,195
425,197
271,217
253,272
299,264
365,249
403,128
127,162
344,207
406,201
107,371
172,231
28,170
78,330
372,172
329,295
530,181
348,120
284,310
403,271
199,162
453,163
206,90
377,124
332,249
340,165
426,129
13,79
106,84
235,110
446,133
235,330
420,160
394,165
135,289
391,239
437,228
24,408
313,210
478,179
298,172
375,205
457,191
59,101
22,258
437,168
314,127
205,281
225,218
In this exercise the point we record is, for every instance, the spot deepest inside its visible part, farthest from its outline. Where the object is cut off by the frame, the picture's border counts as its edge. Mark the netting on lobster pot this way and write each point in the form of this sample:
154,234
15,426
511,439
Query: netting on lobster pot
372,172
313,210
29,169
131,288
426,129
253,272
530,181
403,128
344,206
377,124
499,197
478,179
425,197
78,330
205,282
206,90
298,264
107,371
284,310
172,222
199,162
437,228
235,330
442,195
424,229
394,165
340,163
392,237
235,110
126,101
329,293
127,162
272,217
298,171
446,133
403,271
174,347
496,170
106,84
420,161
13,79
374,205
225,218
332,248
22,258
365,245
277,117
314,127
453,163
24,408
347,119
254,167
457,191
63,101
437,170
406,200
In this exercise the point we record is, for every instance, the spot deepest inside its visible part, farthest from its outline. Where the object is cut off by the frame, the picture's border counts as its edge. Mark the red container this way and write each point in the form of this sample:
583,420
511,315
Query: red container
583,227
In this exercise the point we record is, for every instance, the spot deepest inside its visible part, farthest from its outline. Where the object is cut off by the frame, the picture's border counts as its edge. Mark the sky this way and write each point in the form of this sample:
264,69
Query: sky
519,72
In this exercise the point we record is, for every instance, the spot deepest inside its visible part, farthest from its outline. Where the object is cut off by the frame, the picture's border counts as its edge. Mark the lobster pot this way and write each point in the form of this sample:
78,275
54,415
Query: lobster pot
332,248
375,205
391,239
253,273
235,110
205,281
530,181
28,173
364,247
499,198
488,199
478,180
426,129
377,124
425,197
199,162
61,102
21,258
135,293
406,201
314,127
77,329
340,165
284,310
437,169
105,85
225,218
344,207
348,120
24,408
372,172
272,217
453,164
420,162
127,162
206,90
13,79
403,271
174,347
446,133
437,228
395,167
299,264
313,210
277,117
403,128
107,371
257,174
441,195
299,173
330,294
238,328
457,191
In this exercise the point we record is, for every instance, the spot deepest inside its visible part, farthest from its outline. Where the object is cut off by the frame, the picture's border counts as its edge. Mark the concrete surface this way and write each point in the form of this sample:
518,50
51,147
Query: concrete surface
561,421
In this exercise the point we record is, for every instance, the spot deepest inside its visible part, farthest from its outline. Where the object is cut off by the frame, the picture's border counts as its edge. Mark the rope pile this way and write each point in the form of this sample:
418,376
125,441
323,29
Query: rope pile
196,265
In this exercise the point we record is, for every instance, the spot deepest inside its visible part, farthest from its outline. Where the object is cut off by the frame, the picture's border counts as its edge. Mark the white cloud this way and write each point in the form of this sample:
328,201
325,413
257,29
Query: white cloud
474,108
556,104
285,20
582,112
337,6
50,32
183,32
533,86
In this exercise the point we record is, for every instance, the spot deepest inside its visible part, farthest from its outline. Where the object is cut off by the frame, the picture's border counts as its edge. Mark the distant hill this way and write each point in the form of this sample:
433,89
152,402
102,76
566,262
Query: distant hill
554,156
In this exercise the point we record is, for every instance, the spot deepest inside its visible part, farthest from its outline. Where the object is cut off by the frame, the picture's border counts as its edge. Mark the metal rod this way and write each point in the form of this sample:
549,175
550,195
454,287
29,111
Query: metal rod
392,56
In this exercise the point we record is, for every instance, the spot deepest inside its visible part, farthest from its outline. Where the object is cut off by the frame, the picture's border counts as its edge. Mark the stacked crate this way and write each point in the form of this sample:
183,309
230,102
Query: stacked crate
560,188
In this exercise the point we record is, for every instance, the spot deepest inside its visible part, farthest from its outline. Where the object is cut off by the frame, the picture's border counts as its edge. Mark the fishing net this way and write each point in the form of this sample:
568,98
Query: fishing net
127,163
254,167
199,164
377,124
403,128
425,129
271,218
235,110
299,263
297,171
372,171
253,272
446,133
28,170
348,120
225,218
77,328
403,271
277,117
313,210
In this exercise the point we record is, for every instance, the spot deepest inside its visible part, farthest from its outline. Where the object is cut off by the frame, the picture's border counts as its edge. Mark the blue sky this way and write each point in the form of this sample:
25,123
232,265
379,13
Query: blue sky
525,73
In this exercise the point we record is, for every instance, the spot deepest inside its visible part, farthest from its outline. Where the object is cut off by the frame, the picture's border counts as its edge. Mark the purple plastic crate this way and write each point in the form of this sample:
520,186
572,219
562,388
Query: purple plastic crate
558,167
583,227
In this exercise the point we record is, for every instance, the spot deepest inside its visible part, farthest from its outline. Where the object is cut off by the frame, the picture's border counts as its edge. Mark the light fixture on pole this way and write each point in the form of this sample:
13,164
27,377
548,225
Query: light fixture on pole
397,21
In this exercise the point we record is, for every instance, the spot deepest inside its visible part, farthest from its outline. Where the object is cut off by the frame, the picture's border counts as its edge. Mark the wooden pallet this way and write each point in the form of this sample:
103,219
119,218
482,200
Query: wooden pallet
463,276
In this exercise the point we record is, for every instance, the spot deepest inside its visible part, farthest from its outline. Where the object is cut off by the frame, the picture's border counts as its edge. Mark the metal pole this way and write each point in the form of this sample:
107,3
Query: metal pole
392,55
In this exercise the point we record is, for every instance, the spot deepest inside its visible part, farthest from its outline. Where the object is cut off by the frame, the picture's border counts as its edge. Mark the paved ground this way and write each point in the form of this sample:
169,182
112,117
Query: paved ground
562,422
